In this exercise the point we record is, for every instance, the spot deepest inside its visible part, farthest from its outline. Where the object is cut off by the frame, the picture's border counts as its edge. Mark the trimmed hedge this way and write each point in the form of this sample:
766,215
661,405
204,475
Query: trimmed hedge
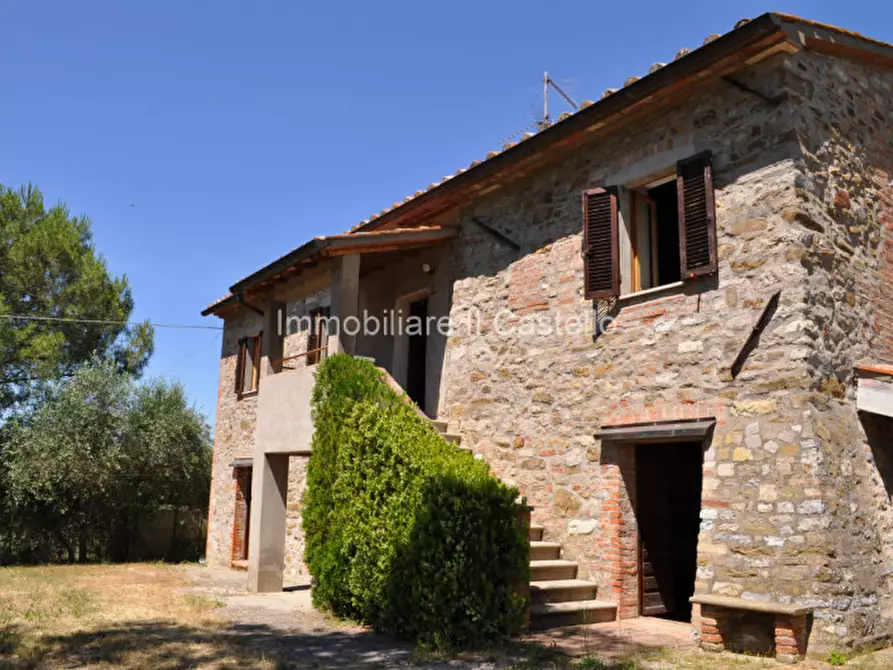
404,531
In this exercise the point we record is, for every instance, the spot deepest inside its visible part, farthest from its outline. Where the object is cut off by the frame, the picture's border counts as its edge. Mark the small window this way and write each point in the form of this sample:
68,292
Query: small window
640,237
248,365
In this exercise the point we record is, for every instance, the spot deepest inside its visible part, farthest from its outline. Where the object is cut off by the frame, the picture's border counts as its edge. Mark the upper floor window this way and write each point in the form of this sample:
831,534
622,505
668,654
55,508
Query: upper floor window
317,337
248,364
667,232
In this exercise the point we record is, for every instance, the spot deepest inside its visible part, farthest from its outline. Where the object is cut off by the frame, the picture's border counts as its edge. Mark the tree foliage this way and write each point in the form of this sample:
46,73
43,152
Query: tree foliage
404,531
98,456
50,267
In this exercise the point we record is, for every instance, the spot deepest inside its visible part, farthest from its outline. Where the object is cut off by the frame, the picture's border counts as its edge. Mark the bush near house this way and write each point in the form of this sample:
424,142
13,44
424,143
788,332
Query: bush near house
404,531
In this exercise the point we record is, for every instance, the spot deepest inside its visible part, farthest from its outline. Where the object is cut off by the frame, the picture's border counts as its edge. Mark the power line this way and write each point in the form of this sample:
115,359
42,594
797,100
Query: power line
104,322
197,351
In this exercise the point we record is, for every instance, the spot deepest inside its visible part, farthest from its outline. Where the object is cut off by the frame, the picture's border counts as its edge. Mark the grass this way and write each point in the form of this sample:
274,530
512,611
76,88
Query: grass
101,616
148,616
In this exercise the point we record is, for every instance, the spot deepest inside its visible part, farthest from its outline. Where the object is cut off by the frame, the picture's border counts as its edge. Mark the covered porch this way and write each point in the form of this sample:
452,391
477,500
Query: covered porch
345,293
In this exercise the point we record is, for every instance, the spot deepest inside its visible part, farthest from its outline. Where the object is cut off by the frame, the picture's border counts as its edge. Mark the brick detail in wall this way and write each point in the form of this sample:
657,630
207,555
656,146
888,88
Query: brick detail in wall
241,516
624,412
791,633
790,637
620,533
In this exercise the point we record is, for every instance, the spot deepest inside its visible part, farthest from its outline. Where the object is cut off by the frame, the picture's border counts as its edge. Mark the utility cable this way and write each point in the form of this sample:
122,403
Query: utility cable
104,322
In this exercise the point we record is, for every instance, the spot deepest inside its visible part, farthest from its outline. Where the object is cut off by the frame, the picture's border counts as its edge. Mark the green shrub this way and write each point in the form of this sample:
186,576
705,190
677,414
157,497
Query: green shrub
404,531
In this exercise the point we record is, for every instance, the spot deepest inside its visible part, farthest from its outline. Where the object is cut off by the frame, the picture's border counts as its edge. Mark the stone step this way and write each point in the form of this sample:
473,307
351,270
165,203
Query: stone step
541,571
536,533
544,551
562,591
440,426
578,612
453,438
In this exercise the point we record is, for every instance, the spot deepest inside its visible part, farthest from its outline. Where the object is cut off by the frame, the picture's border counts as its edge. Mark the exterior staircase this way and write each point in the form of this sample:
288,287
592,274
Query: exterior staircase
443,428
558,598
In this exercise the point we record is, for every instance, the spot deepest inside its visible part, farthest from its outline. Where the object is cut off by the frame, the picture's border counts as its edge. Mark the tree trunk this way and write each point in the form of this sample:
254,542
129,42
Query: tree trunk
82,546
69,548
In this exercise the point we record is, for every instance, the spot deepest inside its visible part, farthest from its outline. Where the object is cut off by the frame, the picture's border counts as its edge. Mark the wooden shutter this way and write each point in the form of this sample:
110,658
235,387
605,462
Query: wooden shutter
255,371
240,365
697,216
601,264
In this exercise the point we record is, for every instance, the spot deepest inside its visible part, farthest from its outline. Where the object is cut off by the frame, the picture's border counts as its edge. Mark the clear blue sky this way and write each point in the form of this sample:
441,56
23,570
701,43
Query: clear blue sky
238,130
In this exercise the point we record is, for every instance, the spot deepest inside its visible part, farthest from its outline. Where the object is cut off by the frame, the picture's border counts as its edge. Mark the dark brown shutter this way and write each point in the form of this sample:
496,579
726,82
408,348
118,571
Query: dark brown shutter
601,264
697,215
240,365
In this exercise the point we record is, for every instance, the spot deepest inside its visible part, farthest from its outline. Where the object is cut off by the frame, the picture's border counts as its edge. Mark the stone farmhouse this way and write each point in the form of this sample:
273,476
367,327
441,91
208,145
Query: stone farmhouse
715,444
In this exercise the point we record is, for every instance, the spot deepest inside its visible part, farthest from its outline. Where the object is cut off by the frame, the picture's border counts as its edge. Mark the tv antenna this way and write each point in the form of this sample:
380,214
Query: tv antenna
547,80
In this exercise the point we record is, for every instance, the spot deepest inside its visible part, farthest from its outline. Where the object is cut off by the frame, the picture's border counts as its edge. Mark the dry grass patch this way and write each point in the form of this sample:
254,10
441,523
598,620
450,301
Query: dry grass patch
111,615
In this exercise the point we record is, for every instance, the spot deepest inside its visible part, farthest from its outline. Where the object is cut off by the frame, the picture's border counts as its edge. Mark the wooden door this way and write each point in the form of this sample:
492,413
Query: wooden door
654,515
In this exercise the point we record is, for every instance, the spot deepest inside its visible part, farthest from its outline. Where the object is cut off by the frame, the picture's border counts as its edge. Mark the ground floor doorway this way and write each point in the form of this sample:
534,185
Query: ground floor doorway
668,503
241,515
416,378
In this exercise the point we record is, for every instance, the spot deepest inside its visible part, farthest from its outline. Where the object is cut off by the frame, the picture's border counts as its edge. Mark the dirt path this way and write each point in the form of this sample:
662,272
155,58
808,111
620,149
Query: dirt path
286,625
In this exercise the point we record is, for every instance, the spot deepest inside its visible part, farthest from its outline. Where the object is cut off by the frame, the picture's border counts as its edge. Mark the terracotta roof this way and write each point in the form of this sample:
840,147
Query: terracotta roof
330,246
792,33
220,302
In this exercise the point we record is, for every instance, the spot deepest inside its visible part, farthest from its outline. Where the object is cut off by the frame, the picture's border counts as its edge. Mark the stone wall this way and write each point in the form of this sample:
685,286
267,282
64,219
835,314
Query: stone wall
233,438
532,405
846,207
294,533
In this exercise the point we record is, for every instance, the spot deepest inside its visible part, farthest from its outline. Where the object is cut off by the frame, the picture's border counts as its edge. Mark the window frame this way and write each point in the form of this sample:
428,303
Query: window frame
242,358
627,192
